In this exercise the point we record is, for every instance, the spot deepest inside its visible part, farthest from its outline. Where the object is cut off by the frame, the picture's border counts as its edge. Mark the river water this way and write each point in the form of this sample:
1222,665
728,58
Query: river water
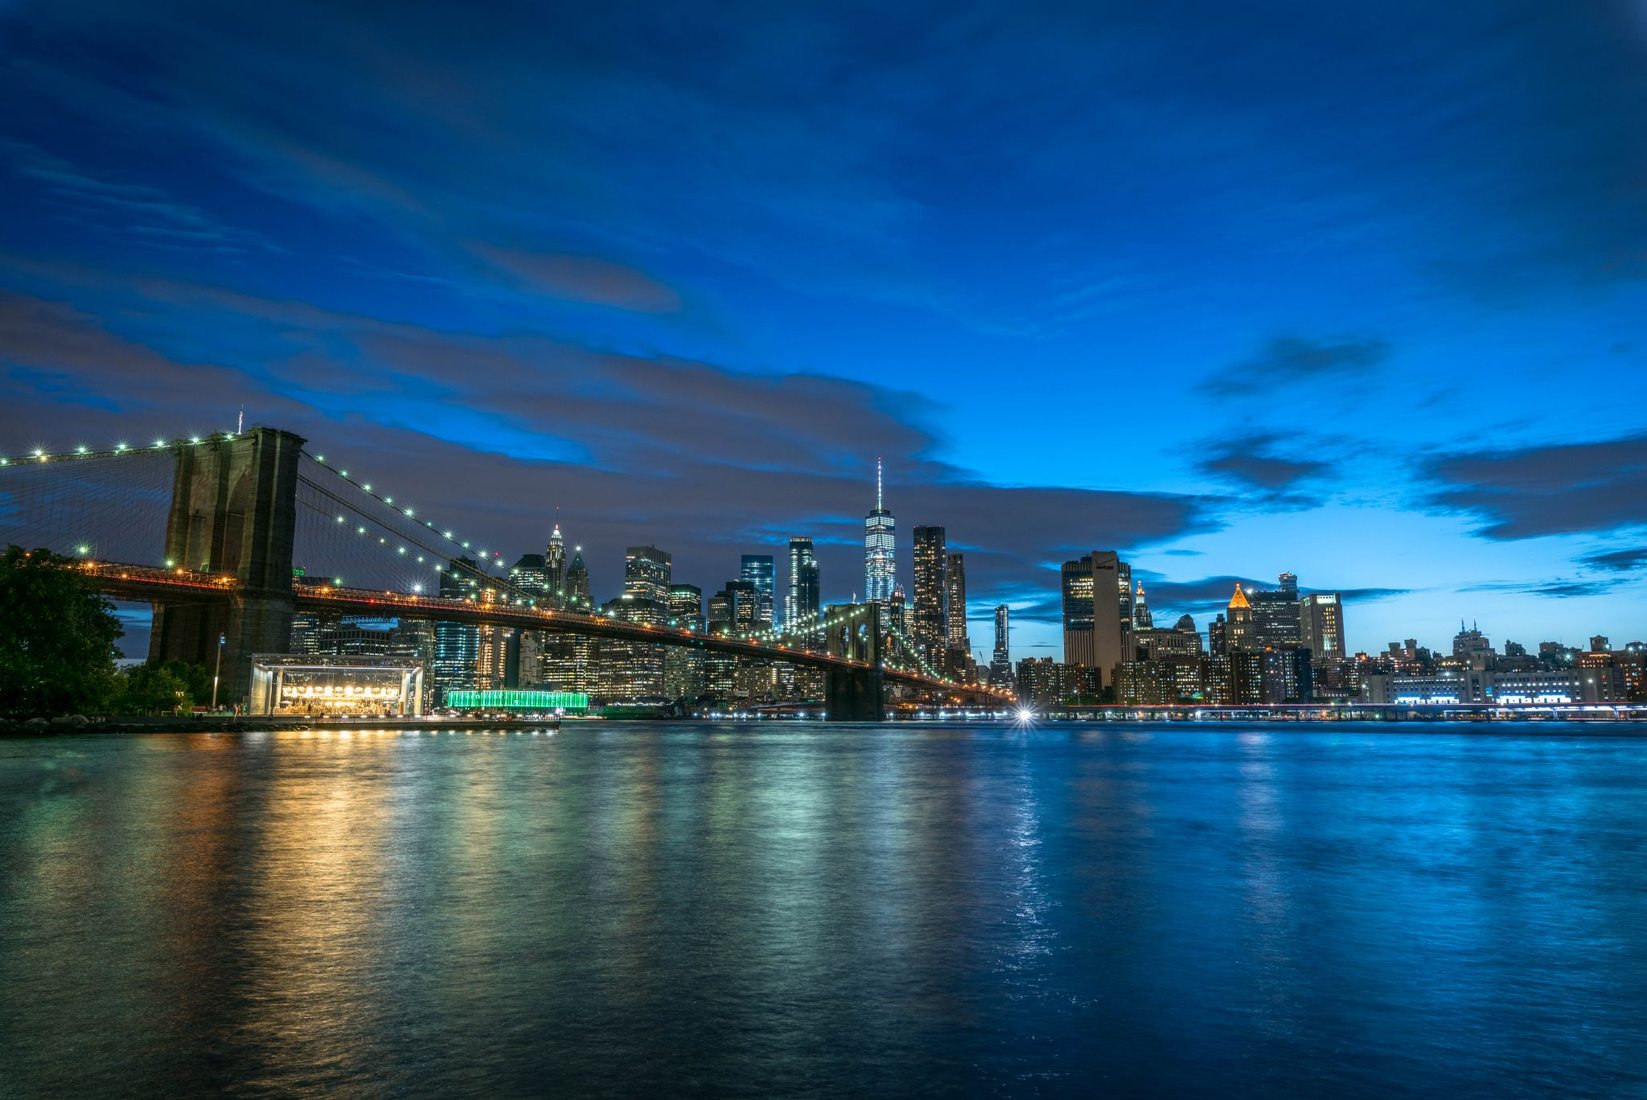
801,909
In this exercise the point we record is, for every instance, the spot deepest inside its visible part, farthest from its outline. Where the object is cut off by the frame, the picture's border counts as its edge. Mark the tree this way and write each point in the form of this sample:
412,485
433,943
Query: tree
57,635
157,689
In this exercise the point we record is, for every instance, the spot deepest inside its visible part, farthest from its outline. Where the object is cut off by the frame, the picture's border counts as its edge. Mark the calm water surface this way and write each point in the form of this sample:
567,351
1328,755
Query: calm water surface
810,910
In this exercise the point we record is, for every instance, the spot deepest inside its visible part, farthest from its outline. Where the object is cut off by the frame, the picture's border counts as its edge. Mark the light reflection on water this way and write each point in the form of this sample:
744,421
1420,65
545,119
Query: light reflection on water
800,909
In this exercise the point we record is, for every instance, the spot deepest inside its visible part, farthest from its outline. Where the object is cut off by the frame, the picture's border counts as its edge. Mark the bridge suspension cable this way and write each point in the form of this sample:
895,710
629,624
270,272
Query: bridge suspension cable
85,504
401,538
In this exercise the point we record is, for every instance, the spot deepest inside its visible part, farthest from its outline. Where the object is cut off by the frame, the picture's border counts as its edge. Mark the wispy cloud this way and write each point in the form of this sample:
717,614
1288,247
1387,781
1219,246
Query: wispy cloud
1291,359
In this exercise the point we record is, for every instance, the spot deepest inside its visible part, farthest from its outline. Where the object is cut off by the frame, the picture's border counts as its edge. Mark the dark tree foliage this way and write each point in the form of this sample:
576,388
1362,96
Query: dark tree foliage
57,636
157,689
163,688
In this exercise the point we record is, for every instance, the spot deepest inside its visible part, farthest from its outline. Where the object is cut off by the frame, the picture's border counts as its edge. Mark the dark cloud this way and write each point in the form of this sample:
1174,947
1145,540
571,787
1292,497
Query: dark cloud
705,461
1557,589
1208,593
584,279
1617,561
1250,461
1546,490
1291,359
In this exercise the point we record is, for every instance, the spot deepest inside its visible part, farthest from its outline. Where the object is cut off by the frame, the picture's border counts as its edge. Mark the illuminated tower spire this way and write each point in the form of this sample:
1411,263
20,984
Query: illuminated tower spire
554,564
880,563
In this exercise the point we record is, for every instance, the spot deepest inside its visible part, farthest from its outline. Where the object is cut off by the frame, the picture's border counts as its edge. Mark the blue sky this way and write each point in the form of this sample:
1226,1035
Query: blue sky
1355,291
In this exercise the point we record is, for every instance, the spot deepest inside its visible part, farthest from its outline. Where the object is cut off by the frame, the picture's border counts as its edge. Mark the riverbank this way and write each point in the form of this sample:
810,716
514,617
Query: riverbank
217,723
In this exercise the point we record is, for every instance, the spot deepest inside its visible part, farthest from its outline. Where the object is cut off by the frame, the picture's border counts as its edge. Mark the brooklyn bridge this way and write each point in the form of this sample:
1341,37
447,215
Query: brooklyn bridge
229,536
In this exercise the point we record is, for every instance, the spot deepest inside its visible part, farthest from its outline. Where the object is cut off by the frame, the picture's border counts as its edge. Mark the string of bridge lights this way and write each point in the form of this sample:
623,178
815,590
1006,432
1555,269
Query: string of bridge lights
914,652
495,561
40,454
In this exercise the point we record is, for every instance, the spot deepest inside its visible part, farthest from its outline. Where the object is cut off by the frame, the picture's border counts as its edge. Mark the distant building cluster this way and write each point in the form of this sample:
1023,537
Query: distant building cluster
769,596
1268,646
1280,646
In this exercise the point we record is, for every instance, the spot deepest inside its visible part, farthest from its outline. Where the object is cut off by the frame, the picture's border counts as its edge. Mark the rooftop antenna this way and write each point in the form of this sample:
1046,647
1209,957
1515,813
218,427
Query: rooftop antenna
240,421
878,483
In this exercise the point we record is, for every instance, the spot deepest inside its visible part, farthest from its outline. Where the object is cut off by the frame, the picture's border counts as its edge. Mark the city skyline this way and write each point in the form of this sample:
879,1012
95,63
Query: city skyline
1385,347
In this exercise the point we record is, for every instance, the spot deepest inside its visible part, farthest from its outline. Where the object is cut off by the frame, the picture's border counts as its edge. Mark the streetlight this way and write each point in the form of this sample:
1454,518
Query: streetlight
222,640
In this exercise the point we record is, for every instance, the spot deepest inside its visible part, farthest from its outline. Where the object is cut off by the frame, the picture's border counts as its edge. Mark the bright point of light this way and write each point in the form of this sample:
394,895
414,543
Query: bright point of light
80,450
83,550
368,488
194,439
418,588
38,453
408,511
360,530
160,443
320,458
403,549
120,446
466,546
340,519
447,534
169,563
1025,715
343,473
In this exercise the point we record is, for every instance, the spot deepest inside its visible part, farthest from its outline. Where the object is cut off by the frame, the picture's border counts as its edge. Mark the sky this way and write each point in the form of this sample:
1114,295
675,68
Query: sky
1357,291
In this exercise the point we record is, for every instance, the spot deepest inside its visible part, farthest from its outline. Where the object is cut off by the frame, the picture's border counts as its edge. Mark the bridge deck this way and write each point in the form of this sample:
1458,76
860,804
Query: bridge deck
158,585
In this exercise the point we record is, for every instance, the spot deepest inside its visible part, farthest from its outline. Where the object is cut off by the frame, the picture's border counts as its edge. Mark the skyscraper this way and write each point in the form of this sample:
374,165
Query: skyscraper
929,628
1141,618
554,566
457,645
1275,614
530,575
880,549
1077,605
1000,665
1321,622
1097,598
800,606
647,574
1239,634
955,602
758,570
577,581
686,606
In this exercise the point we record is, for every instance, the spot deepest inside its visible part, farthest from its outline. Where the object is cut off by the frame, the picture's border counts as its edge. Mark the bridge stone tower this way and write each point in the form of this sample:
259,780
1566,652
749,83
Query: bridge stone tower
233,511
855,694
